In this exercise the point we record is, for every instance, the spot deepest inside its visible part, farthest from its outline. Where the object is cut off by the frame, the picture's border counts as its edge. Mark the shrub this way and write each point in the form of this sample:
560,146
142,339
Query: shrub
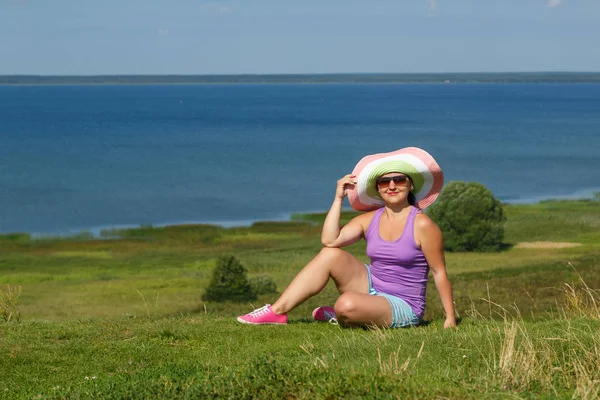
469,216
229,282
263,284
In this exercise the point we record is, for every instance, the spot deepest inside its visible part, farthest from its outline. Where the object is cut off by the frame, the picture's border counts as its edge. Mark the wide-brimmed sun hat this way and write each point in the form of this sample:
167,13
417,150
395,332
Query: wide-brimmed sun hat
419,165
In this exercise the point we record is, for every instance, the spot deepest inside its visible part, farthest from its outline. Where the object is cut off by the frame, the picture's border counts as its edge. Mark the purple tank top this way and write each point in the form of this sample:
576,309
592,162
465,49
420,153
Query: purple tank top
398,268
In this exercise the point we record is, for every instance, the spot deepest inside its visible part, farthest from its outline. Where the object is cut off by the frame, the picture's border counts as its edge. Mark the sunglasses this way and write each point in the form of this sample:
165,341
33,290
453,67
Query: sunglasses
399,180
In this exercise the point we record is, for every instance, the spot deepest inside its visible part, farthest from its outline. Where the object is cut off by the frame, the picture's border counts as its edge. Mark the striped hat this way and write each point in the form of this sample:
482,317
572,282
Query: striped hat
419,165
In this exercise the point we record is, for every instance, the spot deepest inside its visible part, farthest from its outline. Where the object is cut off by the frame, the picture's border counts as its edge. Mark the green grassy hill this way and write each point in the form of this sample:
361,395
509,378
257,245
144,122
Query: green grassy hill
122,317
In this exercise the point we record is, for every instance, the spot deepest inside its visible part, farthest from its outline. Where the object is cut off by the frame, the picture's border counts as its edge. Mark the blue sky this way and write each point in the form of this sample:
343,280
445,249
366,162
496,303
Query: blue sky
88,37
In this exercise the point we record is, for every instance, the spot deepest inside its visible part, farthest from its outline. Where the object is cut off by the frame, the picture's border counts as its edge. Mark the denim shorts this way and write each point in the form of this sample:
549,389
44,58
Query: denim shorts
402,314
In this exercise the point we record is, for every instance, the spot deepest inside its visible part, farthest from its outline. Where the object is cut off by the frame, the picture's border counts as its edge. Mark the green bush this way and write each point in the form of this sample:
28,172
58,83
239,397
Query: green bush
229,282
469,216
263,284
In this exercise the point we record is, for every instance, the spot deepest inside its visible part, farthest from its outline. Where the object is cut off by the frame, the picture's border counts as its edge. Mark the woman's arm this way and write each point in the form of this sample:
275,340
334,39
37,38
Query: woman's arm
429,238
332,235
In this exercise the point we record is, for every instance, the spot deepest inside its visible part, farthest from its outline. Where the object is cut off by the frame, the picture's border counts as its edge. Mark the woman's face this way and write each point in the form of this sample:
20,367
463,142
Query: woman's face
394,187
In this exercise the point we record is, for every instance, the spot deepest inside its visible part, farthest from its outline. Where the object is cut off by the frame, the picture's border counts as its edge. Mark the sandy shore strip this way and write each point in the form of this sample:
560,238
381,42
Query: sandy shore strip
545,245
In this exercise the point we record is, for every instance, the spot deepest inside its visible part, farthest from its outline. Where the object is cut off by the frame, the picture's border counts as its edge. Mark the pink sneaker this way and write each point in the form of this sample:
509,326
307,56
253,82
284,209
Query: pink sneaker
324,313
262,316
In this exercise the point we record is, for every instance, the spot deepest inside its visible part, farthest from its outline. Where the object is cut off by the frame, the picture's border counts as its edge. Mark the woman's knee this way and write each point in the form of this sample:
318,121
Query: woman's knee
332,258
332,253
347,305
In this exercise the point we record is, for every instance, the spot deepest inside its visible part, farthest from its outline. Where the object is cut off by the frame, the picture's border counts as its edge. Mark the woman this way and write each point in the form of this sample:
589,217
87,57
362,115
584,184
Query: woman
402,243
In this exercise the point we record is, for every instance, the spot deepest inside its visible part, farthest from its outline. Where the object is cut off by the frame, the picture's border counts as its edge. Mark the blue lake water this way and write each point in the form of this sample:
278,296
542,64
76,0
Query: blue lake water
81,158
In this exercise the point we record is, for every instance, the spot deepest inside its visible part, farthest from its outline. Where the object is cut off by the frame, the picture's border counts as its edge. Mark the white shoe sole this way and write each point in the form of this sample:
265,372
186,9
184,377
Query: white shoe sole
260,323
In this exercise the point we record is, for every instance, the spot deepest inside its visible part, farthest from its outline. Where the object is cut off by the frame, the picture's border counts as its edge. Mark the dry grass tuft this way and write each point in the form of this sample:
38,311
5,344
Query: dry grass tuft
570,359
581,301
393,365
9,297
517,361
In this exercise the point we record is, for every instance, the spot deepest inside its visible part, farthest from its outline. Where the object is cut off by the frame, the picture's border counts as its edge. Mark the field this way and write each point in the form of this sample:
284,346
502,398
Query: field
122,317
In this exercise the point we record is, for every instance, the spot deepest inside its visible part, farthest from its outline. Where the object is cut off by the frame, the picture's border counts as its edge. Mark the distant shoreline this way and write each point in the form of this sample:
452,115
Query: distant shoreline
97,231
406,78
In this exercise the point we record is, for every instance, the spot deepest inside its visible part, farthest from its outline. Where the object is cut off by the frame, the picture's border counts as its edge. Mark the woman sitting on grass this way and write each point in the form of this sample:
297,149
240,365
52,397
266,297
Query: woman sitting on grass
402,243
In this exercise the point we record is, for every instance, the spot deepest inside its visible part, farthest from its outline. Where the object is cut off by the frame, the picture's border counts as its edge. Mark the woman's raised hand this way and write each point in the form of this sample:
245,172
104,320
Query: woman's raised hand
344,184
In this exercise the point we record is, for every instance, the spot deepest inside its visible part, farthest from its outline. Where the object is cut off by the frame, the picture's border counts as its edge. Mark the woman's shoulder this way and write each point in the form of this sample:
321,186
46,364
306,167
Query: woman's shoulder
424,223
367,216
427,233
365,219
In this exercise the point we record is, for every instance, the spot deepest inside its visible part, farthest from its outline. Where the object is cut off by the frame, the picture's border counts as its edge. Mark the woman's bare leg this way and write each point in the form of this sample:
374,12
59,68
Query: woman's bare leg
359,309
348,273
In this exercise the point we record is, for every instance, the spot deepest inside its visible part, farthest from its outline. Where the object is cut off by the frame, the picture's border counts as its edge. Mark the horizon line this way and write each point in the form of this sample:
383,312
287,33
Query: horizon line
306,73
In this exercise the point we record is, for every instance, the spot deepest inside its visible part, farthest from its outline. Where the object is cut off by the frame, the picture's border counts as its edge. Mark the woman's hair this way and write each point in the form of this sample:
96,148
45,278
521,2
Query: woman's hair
411,199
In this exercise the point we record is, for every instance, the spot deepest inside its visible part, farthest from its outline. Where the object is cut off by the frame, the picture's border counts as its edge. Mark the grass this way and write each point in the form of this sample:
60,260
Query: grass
207,356
121,317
